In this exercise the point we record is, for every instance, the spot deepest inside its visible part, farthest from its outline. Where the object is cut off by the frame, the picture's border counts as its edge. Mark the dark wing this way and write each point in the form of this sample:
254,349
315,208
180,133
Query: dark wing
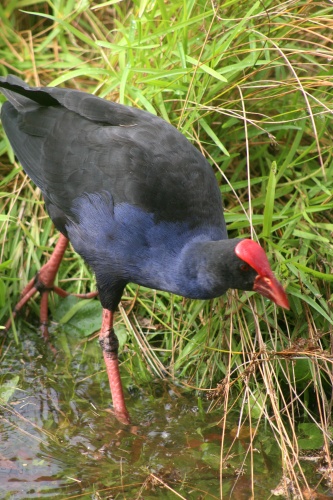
71,143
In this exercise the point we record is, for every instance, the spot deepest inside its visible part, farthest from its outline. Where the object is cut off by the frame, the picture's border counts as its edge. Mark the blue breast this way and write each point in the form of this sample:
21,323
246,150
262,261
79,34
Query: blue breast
127,244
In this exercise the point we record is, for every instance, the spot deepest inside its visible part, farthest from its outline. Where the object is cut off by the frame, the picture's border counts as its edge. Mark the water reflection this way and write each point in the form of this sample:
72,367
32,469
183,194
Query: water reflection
59,440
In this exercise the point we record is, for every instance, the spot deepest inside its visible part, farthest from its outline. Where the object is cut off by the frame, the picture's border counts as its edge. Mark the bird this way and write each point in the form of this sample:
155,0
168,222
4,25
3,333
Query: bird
136,199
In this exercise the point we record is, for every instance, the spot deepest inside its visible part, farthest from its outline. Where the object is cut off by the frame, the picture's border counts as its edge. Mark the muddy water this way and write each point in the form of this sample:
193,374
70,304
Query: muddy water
59,439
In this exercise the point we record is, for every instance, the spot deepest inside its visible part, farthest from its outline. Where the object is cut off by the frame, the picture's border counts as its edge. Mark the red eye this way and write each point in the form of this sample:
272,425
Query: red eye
245,267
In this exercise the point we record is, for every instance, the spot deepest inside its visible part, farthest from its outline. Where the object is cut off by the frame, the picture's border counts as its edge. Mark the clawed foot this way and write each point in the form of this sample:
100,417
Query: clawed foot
43,283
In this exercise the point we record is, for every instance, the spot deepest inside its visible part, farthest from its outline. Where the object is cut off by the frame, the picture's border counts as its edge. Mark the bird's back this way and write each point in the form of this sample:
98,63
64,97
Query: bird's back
71,143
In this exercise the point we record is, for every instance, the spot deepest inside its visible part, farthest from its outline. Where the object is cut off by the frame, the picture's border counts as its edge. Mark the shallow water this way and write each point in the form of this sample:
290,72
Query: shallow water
60,440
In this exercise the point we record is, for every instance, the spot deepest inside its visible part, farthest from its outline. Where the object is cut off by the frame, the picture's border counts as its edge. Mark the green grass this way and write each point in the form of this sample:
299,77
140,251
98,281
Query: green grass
250,84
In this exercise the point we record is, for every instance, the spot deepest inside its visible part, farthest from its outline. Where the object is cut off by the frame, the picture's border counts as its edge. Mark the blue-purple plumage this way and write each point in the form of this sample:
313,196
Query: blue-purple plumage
137,200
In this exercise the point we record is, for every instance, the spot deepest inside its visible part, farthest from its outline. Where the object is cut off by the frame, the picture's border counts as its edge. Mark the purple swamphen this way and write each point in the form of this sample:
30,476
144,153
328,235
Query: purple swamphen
136,199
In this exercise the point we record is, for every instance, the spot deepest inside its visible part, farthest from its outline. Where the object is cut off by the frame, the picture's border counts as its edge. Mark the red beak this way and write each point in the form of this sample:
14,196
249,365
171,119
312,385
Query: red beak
269,287
265,283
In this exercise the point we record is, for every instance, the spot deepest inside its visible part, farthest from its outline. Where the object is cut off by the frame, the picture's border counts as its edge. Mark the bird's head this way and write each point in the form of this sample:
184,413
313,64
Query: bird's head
265,282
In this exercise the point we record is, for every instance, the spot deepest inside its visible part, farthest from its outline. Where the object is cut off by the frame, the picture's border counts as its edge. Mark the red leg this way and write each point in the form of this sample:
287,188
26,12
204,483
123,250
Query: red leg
44,283
47,273
44,314
109,343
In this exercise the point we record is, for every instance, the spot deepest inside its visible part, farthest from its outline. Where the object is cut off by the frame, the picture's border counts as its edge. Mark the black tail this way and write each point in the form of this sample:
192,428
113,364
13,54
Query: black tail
19,93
